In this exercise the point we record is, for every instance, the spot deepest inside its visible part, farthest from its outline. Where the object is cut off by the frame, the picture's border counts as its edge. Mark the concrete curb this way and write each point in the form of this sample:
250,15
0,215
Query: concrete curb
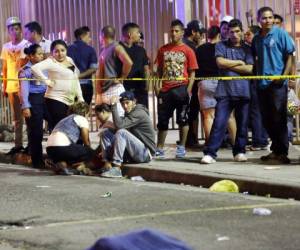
250,186
253,187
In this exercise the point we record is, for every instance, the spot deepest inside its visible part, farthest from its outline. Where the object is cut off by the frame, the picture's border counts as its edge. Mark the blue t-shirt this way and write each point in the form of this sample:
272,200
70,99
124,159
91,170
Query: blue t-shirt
271,52
84,57
233,88
28,87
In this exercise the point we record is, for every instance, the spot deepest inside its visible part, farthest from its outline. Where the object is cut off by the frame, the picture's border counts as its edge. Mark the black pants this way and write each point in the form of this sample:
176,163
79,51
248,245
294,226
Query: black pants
175,98
87,92
34,124
273,107
57,111
193,115
71,154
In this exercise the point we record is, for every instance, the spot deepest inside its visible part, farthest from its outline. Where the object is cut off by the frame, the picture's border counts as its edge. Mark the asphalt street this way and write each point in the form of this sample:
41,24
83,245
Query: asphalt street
43,211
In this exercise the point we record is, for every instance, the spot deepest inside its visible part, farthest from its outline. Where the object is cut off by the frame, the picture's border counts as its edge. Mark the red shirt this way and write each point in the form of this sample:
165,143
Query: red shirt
174,61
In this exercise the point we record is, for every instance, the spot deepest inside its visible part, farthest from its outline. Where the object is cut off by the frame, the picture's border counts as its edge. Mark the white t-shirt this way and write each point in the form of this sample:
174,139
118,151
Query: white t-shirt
44,43
60,139
66,83
12,53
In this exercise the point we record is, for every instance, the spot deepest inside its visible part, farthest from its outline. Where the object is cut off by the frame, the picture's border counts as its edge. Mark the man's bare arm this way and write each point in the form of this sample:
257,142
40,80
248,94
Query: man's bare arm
125,59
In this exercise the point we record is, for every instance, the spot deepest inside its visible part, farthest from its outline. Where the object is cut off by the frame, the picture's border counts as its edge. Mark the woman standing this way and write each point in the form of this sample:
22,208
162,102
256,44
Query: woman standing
33,104
61,75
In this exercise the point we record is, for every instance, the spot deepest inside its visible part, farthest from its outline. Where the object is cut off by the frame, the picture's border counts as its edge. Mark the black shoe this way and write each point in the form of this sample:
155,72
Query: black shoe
268,157
39,165
15,150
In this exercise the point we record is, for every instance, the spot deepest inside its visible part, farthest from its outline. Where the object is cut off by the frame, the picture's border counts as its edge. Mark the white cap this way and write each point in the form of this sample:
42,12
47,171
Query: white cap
227,19
12,21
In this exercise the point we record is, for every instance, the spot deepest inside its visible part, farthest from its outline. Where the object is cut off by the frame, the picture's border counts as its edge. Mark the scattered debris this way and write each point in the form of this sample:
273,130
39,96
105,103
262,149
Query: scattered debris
137,178
262,211
222,238
224,186
271,168
106,195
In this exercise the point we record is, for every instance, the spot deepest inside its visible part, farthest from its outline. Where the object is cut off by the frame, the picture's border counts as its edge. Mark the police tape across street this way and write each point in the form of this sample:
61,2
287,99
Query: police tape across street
219,78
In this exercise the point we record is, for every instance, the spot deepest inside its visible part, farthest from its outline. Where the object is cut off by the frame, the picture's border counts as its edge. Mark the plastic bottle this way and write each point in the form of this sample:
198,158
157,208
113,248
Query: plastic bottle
262,211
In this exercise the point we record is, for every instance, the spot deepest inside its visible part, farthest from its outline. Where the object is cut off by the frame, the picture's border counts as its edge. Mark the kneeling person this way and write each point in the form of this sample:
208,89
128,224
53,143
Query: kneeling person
62,147
135,136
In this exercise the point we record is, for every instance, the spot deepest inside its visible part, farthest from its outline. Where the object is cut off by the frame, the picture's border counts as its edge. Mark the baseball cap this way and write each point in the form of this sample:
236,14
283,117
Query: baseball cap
226,19
127,95
196,26
12,21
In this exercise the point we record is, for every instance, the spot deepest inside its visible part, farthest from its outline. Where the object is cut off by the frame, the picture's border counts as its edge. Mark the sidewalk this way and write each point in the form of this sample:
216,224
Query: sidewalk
252,177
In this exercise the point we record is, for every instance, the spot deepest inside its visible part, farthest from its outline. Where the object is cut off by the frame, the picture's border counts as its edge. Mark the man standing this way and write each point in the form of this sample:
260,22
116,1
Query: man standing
140,68
224,27
34,35
134,138
12,61
193,34
273,50
234,58
114,63
174,60
85,58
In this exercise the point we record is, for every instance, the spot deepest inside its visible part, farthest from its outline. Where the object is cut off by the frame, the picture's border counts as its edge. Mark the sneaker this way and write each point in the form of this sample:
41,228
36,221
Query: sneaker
270,156
207,159
113,172
160,153
15,150
180,151
241,157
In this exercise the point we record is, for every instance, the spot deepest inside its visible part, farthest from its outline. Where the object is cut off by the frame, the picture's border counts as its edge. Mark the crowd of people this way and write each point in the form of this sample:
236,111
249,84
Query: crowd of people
51,81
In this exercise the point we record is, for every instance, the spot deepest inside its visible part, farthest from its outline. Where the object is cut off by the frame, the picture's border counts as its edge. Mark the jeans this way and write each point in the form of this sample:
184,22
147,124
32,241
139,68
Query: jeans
223,110
273,106
259,133
113,147
290,125
15,105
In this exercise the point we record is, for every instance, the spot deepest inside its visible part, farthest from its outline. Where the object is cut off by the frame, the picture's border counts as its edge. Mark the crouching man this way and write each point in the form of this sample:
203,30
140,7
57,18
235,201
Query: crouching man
134,138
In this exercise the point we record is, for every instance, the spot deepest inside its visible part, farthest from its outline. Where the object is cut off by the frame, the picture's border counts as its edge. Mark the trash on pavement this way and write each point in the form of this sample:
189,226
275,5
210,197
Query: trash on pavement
262,211
137,178
222,238
271,168
106,195
224,186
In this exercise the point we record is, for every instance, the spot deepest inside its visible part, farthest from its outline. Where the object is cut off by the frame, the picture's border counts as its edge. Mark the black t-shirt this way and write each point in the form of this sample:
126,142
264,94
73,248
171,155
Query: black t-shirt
190,43
206,61
139,58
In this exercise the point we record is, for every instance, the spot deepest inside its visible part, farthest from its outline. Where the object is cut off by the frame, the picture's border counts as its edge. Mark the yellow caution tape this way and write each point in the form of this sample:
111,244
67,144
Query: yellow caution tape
219,78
